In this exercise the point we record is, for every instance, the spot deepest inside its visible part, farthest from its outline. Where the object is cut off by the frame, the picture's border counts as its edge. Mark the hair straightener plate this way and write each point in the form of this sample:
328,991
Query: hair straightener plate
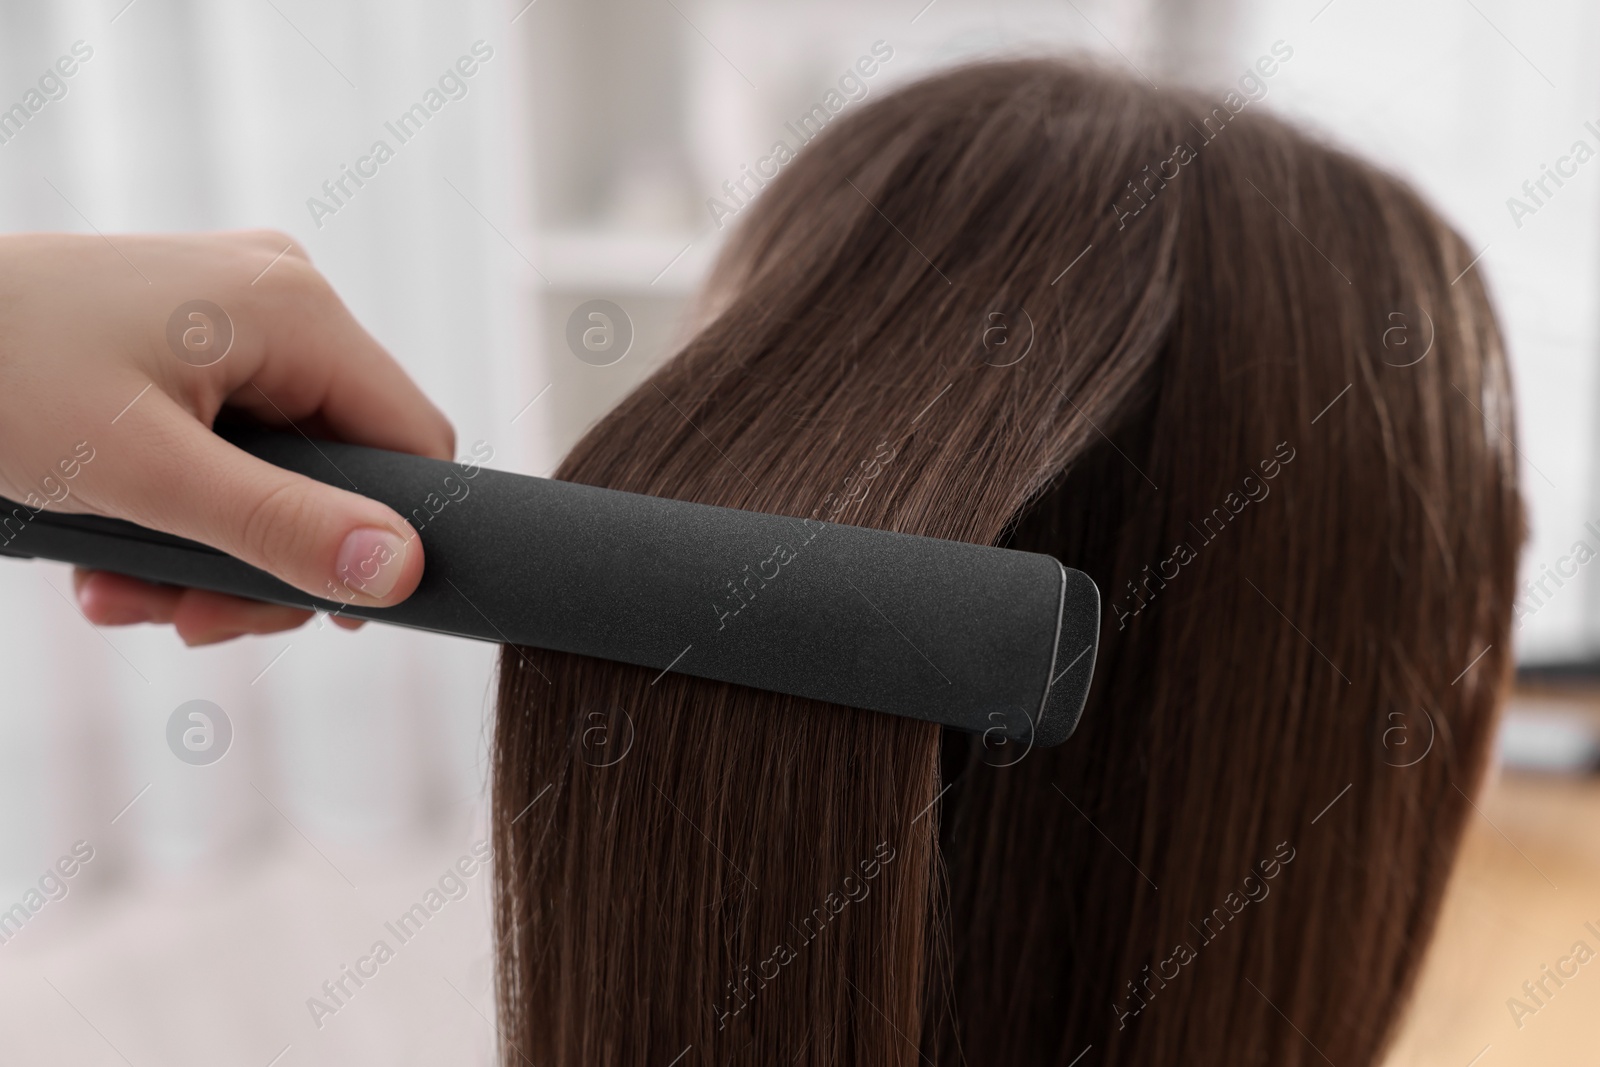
982,639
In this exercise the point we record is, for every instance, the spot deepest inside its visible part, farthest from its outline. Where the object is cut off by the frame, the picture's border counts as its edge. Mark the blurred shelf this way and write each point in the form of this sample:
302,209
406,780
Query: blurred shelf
1551,725
616,261
1564,672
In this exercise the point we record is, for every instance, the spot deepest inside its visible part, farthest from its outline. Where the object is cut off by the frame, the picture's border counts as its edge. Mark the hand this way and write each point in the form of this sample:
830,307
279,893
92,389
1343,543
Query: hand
86,368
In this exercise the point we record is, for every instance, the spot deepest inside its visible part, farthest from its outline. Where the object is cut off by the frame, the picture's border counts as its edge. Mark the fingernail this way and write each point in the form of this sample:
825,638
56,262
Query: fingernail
370,561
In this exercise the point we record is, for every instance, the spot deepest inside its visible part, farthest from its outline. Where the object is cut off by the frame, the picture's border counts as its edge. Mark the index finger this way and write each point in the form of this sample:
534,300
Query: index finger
300,355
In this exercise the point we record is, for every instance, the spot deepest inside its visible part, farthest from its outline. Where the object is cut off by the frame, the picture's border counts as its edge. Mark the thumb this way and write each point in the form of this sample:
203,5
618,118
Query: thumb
178,477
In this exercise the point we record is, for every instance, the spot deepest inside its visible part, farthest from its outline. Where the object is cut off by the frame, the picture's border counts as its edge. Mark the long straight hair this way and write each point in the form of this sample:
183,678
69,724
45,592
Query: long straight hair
1246,382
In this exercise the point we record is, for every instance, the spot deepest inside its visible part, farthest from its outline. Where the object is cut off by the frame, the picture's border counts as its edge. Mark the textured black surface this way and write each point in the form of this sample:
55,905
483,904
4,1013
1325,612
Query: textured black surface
964,635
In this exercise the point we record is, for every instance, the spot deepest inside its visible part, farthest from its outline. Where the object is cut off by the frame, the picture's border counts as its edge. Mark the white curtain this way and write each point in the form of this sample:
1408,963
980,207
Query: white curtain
219,898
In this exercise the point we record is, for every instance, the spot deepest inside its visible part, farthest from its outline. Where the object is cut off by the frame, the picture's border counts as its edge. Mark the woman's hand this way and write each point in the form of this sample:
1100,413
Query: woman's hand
123,350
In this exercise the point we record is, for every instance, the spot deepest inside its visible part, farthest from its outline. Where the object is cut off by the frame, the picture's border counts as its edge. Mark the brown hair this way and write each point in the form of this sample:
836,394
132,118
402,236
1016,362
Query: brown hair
1305,539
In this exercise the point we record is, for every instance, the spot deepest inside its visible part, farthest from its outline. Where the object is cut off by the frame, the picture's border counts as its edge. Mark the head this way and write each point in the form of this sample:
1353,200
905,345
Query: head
1036,305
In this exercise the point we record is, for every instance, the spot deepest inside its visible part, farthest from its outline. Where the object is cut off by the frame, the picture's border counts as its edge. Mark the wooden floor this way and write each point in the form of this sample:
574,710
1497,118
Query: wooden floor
1528,881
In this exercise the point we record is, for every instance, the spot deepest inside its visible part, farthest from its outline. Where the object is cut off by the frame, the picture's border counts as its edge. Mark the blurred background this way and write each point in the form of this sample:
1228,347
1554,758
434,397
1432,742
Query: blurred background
583,161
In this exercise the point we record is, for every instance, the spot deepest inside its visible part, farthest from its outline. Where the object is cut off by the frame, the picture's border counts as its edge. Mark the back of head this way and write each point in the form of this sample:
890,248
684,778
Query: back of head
1032,304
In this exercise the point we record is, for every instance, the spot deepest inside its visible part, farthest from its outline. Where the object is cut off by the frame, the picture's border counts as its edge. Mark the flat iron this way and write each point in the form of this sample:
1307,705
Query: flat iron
986,640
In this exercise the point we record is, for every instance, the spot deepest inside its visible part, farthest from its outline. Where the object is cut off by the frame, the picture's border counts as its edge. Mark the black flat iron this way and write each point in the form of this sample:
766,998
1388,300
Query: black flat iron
985,640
